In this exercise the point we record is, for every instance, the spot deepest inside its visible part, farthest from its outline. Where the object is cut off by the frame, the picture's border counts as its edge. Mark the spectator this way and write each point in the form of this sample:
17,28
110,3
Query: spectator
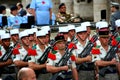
42,10
26,74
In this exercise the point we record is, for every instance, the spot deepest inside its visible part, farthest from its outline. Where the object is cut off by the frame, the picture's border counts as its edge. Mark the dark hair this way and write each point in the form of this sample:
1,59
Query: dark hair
19,4
13,7
62,4
28,6
2,8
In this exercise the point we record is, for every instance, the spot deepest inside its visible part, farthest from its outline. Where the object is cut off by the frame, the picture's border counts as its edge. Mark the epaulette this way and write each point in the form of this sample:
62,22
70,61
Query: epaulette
31,52
73,58
34,46
51,56
95,51
15,51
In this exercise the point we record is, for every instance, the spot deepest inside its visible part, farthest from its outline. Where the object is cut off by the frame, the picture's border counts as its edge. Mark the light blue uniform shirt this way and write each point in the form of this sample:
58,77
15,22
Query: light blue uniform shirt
25,19
14,21
1,19
42,10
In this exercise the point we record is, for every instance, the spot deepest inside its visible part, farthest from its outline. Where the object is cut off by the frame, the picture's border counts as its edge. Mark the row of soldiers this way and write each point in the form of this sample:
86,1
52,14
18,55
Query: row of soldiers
74,54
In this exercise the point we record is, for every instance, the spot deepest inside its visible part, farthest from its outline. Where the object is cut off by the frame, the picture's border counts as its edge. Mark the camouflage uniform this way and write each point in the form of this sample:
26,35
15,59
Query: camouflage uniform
63,17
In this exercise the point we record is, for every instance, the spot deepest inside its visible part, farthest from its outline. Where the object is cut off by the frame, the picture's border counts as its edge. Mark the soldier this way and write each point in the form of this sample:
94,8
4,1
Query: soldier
115,14
14,36
14,20
117,24
48,34
21,55
62,16
88,25
70,72
6,67
26,74
1,33
34,62
83,70
71,33
64,31
100,63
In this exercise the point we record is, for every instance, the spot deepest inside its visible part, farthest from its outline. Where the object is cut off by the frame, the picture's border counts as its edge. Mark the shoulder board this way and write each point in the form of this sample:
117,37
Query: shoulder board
73,58
52,56
32,52
34,46
15,51
54,52
0,48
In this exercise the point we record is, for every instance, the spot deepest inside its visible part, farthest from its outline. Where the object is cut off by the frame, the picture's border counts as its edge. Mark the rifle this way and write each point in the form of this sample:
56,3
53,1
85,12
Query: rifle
62,62
26,58
110,55
44,56
87,50
8,53
114,35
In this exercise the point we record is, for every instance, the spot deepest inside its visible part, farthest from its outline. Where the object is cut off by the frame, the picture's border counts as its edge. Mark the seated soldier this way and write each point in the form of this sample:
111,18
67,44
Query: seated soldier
69,69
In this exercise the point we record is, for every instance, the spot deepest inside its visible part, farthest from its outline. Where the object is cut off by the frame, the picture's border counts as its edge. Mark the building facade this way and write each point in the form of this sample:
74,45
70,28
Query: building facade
87,9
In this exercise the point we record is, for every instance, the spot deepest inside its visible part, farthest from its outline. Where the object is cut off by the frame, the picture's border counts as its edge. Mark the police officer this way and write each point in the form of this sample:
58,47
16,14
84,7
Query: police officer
6,66
63,16
104,48
34,62
70,72
14,20
115,14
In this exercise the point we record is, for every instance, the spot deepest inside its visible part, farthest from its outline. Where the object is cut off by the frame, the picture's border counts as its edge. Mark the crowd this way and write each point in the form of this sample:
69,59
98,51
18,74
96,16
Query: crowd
73,54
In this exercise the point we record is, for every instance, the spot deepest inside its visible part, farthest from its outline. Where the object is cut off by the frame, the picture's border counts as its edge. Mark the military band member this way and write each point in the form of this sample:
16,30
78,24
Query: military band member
71,72
14,20
82,37
34,62
104,48
20,59
63,16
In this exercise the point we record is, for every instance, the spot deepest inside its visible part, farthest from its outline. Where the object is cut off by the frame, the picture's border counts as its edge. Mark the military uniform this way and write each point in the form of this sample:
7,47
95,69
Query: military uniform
7,70
67,75
63,17
103,37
